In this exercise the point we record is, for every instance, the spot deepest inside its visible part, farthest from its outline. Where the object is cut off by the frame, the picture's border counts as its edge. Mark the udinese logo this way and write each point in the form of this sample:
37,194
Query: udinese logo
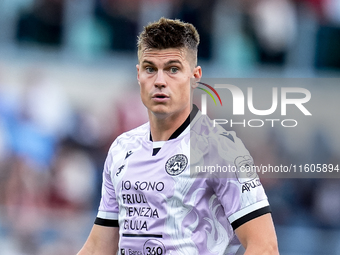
176,164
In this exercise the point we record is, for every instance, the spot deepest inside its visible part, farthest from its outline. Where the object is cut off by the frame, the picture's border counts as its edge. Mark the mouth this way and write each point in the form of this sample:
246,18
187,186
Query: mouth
160,97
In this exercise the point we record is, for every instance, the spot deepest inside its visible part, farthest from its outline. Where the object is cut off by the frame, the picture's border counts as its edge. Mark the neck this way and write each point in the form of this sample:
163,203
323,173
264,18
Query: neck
162,128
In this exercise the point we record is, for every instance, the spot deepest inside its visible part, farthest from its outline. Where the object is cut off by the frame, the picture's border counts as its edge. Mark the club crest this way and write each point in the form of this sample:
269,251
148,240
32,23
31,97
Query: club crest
176,164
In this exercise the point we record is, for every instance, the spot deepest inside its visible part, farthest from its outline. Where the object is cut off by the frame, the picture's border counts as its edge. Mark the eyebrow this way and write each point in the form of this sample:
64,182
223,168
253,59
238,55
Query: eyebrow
170,62
145,62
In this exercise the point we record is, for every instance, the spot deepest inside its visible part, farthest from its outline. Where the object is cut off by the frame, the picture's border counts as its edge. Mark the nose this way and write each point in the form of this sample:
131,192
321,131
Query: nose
160,79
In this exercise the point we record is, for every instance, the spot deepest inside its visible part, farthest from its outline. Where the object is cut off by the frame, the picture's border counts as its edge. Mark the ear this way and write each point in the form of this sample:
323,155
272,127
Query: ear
197,74
137,66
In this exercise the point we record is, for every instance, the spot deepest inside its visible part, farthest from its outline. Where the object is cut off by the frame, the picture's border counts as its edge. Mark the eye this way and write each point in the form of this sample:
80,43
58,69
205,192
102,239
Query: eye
173,70
149,69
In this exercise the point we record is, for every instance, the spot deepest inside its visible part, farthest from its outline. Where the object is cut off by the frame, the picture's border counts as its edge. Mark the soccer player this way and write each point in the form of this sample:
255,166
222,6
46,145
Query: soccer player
151,204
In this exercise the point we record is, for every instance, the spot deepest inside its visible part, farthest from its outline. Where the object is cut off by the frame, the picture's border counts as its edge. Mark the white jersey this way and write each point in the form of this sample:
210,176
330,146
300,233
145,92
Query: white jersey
163,208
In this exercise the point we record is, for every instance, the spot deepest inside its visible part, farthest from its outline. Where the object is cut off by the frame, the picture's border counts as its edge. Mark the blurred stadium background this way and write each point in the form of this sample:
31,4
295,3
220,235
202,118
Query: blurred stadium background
68,88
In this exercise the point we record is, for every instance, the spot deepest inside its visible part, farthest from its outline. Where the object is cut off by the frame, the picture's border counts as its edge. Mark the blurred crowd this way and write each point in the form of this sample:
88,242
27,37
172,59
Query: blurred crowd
275,32
52,152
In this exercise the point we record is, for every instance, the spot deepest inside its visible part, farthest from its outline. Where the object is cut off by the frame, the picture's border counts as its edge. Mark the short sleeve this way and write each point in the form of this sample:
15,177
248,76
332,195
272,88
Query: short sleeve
243,199
241,193
108,207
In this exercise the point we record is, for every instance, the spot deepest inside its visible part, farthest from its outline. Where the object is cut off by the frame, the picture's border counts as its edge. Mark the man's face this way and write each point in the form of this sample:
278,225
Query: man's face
164,79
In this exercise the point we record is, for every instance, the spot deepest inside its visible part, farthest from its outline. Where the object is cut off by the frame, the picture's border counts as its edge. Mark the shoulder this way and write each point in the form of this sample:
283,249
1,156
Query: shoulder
131,139
214,135
125,143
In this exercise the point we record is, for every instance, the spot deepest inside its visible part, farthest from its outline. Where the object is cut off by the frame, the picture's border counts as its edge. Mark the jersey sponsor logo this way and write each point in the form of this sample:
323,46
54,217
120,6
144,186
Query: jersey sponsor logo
176,164
153,247
120,169
128,154
251,185
228,135
133,252
245,172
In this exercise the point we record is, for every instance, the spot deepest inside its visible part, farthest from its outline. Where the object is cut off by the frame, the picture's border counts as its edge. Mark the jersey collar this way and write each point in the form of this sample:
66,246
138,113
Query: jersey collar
184,125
